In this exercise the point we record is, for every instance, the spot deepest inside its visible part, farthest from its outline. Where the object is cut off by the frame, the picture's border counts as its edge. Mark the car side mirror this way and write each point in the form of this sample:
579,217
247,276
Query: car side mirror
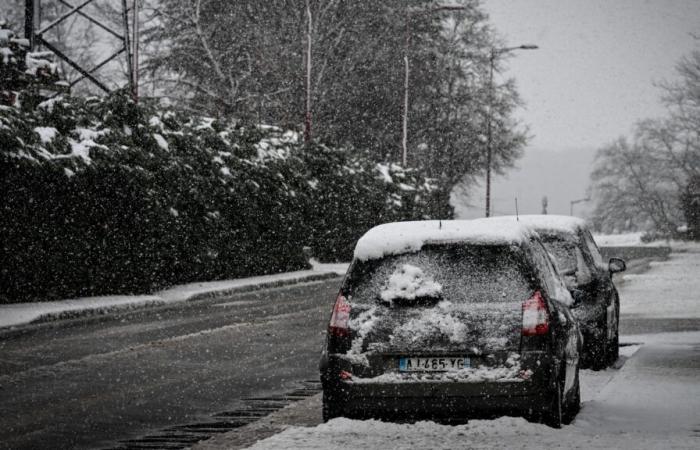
577,295
617,265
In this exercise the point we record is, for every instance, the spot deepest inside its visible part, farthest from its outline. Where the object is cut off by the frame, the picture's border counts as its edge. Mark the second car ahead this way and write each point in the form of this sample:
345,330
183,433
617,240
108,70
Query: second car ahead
449,320
588,277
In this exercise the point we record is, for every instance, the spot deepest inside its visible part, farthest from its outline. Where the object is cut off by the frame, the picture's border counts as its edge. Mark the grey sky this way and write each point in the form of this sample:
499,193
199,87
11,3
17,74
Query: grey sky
591,80
593,76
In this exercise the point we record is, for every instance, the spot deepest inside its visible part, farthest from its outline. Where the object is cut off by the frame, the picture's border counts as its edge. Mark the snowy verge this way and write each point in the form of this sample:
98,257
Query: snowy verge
678,275
24,313
635,240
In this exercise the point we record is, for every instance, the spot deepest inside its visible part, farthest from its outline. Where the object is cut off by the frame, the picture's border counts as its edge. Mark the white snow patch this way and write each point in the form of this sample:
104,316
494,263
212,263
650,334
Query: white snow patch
340,268
87,134
384,172
361,326
410,282
50,103
618,240
46,134
205,123
21,313
81,150
155,122
160,140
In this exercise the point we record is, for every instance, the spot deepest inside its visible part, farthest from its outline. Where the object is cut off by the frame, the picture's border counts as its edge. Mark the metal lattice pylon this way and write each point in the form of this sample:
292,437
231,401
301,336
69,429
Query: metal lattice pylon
128,38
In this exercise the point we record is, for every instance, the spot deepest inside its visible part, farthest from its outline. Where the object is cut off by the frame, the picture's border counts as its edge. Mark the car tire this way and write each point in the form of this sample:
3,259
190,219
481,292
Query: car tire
553,414
573,406
330,409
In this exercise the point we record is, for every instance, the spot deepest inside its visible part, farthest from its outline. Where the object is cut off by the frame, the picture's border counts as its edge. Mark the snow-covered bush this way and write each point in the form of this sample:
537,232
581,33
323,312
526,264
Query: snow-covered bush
105,196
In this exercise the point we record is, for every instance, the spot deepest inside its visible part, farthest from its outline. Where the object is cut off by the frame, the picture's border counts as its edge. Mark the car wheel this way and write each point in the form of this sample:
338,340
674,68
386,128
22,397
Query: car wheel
330,409
573,406
553,414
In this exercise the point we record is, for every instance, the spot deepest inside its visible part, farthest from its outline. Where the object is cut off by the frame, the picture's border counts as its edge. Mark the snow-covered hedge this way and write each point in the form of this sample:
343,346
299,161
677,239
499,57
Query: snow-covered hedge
104,196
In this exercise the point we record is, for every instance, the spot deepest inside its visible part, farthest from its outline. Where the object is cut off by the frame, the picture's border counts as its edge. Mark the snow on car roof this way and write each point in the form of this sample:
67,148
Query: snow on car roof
541,222
404,237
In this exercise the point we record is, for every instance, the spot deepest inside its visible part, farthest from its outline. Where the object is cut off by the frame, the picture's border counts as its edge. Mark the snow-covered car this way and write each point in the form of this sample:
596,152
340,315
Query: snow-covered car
589,278
448,320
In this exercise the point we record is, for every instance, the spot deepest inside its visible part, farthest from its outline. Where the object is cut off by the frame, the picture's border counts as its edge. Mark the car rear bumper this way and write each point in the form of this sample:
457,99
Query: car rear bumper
436,400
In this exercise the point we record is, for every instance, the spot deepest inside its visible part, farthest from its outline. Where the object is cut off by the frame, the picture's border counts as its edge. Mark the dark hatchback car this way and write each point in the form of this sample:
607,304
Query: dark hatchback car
450,320
589,278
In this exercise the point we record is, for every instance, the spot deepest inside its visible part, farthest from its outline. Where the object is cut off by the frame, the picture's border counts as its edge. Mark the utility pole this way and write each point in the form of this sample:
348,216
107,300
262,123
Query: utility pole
309,30
489,127
36,37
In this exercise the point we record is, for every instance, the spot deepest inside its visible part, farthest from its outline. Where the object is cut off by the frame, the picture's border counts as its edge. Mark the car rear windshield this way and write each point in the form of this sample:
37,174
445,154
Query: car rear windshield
459,274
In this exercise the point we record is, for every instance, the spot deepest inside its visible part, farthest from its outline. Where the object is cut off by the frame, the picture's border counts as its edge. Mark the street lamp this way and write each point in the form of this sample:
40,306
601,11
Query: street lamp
404,140
573,202
495,52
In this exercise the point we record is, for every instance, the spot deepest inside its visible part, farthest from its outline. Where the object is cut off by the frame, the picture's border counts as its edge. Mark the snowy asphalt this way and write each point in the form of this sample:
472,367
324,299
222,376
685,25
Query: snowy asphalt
124,375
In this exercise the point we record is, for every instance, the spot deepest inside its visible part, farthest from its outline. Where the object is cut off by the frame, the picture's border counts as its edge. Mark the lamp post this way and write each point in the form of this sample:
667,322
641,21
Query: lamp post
307,116
407,37
495,52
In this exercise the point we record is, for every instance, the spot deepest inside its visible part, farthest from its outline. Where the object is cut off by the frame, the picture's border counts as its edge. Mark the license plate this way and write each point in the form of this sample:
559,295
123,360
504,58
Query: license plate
439,364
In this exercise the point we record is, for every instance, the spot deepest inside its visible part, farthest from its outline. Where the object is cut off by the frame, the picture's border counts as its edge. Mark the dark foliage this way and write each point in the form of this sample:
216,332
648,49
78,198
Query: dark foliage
106,197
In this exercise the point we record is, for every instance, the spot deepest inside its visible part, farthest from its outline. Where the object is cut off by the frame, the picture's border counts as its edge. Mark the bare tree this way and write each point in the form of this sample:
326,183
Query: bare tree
640,184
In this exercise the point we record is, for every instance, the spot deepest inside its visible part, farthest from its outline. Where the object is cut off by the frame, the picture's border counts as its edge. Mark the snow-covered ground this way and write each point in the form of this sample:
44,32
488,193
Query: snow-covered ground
23,313
618,240
680,296
653,401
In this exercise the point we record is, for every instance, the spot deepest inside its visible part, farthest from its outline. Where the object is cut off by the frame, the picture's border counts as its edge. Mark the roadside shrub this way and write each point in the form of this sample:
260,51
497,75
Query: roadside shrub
103,196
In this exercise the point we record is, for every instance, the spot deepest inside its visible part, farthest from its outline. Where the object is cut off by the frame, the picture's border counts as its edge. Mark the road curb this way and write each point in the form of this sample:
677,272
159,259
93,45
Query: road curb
267,285
72,318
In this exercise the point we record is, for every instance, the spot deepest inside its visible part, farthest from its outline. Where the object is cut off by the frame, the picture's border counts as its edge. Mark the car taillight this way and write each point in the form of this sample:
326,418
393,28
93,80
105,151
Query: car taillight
340,317
535,316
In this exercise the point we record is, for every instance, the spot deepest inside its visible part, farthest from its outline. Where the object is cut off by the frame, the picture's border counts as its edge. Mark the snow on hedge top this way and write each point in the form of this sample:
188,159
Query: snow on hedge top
541,222
404,237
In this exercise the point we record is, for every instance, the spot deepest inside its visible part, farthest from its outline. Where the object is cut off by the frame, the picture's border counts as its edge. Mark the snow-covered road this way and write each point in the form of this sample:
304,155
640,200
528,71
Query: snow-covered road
652,401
